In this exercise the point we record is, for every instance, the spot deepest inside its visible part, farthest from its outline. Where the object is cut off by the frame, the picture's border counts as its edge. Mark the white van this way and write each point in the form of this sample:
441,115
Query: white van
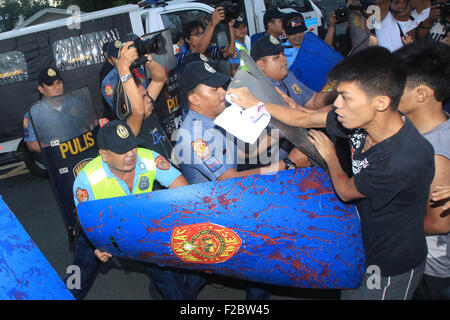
74,45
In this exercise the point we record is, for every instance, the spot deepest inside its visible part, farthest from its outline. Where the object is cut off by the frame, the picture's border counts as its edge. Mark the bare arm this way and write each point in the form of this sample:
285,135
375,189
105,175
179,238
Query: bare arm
229,52
127,56
291,116
329,38
436,222
33,146
217,16
158,75
179,182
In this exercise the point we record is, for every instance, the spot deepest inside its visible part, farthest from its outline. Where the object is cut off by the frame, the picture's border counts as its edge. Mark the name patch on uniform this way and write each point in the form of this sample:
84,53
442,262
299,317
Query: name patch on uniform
212,164
162,163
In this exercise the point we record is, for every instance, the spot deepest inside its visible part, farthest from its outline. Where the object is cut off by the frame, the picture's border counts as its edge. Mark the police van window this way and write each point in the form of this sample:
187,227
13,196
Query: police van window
175,21
13,67
300,5
83,50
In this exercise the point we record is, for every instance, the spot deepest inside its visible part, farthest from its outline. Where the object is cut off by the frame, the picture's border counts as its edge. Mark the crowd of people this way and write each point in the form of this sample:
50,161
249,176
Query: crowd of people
387,100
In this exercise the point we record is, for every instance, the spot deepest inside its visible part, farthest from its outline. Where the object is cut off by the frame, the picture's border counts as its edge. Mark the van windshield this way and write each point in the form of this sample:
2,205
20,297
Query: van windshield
299,5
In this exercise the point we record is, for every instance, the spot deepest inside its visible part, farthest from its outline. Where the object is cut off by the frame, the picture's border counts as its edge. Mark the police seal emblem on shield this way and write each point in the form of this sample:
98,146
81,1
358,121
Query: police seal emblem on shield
122,131
274,40
51,72
144,183
209,68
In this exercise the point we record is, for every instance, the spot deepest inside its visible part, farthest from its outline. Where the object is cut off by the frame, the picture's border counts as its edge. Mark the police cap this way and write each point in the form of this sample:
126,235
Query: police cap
200,72
293,23
268,45
49,75
116,136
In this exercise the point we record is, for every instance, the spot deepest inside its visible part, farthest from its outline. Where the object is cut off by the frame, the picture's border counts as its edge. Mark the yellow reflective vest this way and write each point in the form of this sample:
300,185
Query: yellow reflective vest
108,187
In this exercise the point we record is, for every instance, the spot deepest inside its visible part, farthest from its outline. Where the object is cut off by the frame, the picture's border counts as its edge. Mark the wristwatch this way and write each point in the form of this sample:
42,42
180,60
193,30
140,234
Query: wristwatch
289,164
124,78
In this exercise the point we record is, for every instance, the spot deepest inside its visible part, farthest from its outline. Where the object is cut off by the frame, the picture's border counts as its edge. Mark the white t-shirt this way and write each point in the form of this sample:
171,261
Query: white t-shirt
389,35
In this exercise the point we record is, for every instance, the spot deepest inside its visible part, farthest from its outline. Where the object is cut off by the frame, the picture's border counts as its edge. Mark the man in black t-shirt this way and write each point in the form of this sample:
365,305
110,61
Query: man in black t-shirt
392,166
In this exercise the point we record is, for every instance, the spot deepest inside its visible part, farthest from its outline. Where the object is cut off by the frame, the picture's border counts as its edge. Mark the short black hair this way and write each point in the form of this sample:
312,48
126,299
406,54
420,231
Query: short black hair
375,71
191,26
428,62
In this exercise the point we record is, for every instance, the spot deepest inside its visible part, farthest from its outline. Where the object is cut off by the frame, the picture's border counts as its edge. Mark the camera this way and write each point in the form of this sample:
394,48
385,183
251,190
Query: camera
343,11
155,44
341,14
444,7
231,10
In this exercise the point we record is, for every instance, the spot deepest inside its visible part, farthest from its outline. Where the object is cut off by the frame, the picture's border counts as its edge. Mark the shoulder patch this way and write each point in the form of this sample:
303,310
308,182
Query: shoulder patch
162,163
82,195
200,149
108,91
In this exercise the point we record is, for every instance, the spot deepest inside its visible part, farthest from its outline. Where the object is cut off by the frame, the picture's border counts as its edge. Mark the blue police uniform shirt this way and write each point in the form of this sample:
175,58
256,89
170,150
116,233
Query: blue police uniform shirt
164,177
28,131
290,54
298,91
204,150
108,85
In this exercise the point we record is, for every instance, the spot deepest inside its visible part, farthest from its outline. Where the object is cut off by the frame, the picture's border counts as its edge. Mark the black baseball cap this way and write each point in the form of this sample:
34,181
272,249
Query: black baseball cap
116,136
293,22
239,20
200,72
273,13
49,75
113,48
267,45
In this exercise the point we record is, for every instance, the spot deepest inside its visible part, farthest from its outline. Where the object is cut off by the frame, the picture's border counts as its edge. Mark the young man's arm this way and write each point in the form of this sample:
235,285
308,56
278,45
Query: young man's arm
343,185
291,116
435,221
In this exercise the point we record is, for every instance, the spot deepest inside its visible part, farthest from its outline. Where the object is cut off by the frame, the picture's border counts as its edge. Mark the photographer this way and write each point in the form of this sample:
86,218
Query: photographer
436,26
399,20
198,39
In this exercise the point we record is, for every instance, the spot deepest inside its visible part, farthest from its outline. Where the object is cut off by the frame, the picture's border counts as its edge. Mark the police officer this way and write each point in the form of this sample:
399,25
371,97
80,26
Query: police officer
295,29
50,85
273,25
124,169
205,151
268,54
